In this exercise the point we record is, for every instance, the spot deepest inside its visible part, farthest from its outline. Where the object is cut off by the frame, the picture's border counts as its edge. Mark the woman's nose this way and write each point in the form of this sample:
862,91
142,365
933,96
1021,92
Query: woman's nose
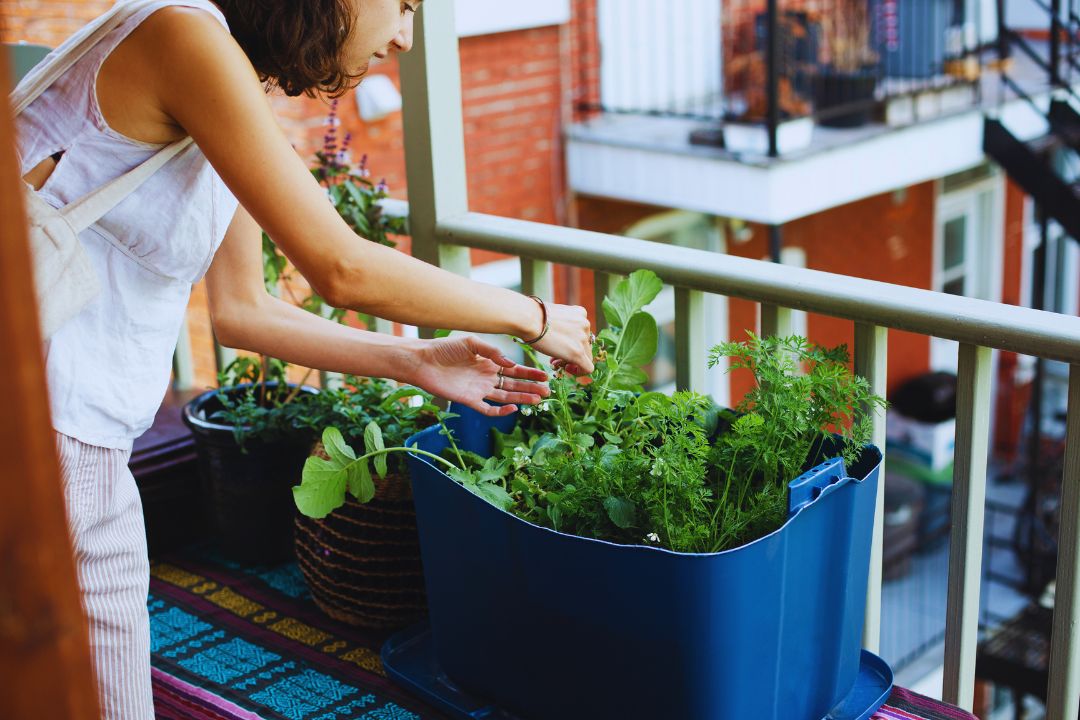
403,40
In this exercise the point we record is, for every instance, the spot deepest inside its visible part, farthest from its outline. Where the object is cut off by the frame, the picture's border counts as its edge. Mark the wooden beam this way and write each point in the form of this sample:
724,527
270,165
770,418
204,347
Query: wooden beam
45,667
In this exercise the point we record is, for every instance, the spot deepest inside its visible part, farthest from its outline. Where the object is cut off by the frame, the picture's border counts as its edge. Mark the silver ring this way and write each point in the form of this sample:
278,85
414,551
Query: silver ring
501,379
592,338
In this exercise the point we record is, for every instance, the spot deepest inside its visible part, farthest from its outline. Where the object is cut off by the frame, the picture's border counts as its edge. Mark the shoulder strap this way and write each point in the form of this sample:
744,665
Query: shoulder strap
87,210
90,208
68,53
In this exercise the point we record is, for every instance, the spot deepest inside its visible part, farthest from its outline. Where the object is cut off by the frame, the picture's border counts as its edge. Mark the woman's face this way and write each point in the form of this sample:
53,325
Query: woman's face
379,28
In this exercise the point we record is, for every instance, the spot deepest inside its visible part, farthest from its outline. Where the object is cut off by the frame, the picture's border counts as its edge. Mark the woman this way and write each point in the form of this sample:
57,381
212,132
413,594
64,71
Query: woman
178,68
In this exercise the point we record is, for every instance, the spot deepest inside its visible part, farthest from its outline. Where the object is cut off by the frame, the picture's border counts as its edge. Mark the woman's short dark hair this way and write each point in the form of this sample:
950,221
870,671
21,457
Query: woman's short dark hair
294,44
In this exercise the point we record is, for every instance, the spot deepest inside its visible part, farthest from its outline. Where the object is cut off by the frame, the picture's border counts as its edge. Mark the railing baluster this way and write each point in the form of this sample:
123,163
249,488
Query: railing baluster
327,379
434,136
968,501
537,278
871,362
223,356
775,320
1063,694
183,361
690,360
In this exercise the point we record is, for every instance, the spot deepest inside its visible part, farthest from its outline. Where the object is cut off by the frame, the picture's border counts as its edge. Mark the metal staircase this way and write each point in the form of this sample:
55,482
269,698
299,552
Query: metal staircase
1036,165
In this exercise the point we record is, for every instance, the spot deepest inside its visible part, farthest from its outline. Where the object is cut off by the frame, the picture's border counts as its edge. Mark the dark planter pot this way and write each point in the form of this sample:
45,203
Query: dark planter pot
248,501
833,90
550,626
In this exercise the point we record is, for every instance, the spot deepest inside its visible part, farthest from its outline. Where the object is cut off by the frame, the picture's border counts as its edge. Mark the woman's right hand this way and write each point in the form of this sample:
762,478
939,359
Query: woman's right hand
569,339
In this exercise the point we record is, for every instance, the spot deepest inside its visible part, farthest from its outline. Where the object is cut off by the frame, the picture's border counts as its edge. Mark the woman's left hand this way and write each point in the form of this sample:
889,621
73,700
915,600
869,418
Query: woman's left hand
469,371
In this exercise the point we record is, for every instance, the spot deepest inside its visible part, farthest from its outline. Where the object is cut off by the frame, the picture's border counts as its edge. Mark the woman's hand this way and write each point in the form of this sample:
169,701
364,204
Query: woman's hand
569,339
469,371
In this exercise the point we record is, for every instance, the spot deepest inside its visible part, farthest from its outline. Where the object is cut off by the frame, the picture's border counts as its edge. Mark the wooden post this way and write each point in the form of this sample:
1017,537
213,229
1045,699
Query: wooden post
45,669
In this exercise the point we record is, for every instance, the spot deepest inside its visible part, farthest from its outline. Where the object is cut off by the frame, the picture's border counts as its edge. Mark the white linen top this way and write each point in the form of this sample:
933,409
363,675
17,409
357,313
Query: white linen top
108,368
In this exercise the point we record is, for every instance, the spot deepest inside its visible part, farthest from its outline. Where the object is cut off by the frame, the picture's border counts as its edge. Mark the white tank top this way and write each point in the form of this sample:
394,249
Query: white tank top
108,368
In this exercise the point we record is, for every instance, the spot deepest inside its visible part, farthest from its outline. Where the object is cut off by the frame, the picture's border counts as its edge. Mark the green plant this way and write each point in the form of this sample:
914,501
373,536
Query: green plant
600,458
255,416
265,410
357,200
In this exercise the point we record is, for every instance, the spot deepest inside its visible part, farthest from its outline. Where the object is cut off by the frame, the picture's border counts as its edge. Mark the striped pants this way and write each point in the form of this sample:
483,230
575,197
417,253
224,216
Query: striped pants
105,520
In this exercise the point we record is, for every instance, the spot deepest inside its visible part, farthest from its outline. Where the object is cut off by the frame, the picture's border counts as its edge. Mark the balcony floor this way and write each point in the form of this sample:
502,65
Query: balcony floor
231,642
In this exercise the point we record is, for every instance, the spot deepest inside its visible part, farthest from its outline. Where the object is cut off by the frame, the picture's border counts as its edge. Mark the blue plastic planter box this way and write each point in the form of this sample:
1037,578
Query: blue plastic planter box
550,626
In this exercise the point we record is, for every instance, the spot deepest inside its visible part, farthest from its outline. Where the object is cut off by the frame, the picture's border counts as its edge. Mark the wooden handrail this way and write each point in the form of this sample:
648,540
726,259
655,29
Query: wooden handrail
45,666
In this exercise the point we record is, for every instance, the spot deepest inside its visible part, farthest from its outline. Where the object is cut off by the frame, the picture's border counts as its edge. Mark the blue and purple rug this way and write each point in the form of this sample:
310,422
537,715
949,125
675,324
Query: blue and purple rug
235,643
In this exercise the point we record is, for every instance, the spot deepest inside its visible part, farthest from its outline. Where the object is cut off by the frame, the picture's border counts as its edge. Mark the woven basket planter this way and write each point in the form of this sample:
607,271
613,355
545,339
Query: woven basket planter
362,561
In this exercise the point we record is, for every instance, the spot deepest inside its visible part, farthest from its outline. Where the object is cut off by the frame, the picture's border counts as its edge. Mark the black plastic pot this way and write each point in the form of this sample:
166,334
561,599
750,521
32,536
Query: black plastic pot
833,90
247,493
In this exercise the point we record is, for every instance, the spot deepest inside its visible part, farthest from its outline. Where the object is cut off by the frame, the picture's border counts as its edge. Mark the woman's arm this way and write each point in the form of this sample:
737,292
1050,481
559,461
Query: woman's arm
245,316
208,86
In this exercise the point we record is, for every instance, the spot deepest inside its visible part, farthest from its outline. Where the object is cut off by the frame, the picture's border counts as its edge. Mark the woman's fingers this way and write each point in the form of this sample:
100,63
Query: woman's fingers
522,398
522,372
488,351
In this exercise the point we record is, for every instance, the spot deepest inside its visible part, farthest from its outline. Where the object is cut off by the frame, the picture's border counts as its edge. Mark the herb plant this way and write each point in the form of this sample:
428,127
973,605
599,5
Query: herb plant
600,458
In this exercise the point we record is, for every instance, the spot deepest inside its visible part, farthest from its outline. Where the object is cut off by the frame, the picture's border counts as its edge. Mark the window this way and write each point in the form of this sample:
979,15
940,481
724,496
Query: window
968,233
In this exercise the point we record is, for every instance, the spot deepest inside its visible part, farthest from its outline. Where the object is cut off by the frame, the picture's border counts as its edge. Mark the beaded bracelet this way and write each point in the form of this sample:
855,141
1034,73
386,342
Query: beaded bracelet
547,325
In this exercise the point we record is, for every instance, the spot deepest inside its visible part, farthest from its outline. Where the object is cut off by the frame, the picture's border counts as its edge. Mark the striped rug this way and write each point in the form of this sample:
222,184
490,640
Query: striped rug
234,643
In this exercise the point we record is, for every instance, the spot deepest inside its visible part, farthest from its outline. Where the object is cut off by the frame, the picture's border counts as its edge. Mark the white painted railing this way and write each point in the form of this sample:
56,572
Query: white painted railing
442,230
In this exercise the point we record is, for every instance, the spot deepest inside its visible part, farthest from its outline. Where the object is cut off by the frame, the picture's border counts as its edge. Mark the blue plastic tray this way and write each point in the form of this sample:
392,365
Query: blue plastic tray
409,658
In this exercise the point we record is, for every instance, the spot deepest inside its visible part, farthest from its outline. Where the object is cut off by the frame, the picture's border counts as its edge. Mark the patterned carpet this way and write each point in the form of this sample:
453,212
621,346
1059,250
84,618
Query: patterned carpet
233,643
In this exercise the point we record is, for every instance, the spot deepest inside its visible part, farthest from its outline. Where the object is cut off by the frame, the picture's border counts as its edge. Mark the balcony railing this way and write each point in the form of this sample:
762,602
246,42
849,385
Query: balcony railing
768,63
443,231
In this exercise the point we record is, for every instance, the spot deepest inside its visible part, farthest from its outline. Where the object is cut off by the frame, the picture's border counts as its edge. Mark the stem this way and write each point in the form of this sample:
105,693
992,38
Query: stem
450,437
296,390
418,451
264,363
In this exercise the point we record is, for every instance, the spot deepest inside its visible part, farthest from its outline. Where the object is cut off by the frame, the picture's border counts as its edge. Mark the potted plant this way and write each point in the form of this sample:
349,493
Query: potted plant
362,560
621,540
614,539
255,431
848,76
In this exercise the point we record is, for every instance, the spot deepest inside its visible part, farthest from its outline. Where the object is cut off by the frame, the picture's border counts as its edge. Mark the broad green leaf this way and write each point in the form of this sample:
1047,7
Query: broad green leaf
639,340
620,510
629,378
373,442
339,451
494,494
322,488
630,296
582,440
399,395
493,470
465,477
361,485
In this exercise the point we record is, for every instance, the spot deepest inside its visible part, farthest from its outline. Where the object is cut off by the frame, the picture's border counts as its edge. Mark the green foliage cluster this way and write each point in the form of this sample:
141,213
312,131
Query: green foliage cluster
283,412
600,458
605,460
270,408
